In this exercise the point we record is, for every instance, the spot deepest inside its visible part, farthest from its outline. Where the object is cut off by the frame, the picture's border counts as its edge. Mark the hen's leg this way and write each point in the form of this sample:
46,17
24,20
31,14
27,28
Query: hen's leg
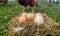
24,10
32,9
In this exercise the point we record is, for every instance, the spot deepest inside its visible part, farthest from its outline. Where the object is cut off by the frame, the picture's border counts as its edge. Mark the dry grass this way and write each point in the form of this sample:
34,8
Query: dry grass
49,28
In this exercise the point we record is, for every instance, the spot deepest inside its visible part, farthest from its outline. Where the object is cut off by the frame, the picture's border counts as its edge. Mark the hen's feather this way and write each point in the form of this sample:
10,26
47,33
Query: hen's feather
27,2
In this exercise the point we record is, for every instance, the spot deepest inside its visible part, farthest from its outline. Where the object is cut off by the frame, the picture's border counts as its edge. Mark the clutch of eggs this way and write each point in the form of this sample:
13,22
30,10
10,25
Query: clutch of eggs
37,18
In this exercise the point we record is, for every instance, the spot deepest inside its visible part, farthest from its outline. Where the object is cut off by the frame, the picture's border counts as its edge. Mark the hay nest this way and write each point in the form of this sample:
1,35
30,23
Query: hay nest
30,29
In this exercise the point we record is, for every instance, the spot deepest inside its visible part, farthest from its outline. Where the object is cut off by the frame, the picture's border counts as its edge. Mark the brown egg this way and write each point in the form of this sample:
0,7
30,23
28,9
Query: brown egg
22,19
30,16
38,14
24,14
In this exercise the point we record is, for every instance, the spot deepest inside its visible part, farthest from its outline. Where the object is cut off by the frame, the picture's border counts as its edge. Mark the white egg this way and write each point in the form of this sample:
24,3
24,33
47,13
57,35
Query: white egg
39,20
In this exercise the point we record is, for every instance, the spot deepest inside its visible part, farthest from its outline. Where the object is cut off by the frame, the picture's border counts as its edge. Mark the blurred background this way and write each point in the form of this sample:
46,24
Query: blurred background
10,8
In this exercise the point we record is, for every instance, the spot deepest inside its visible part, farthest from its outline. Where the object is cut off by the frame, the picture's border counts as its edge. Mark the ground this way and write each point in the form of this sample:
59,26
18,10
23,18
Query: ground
13,9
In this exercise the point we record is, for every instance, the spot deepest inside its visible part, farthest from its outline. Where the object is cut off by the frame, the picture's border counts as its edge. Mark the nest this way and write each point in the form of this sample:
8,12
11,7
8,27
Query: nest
48,29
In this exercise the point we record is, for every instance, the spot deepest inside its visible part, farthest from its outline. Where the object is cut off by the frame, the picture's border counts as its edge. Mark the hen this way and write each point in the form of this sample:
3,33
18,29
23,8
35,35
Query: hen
25,3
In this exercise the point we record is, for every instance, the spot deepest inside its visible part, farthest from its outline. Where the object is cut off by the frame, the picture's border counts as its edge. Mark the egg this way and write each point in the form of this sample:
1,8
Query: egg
22,19
38,14
39,20
24,14
30,16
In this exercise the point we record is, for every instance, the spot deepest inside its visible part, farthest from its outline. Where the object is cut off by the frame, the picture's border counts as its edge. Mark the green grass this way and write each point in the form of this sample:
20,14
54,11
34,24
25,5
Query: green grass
13,9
